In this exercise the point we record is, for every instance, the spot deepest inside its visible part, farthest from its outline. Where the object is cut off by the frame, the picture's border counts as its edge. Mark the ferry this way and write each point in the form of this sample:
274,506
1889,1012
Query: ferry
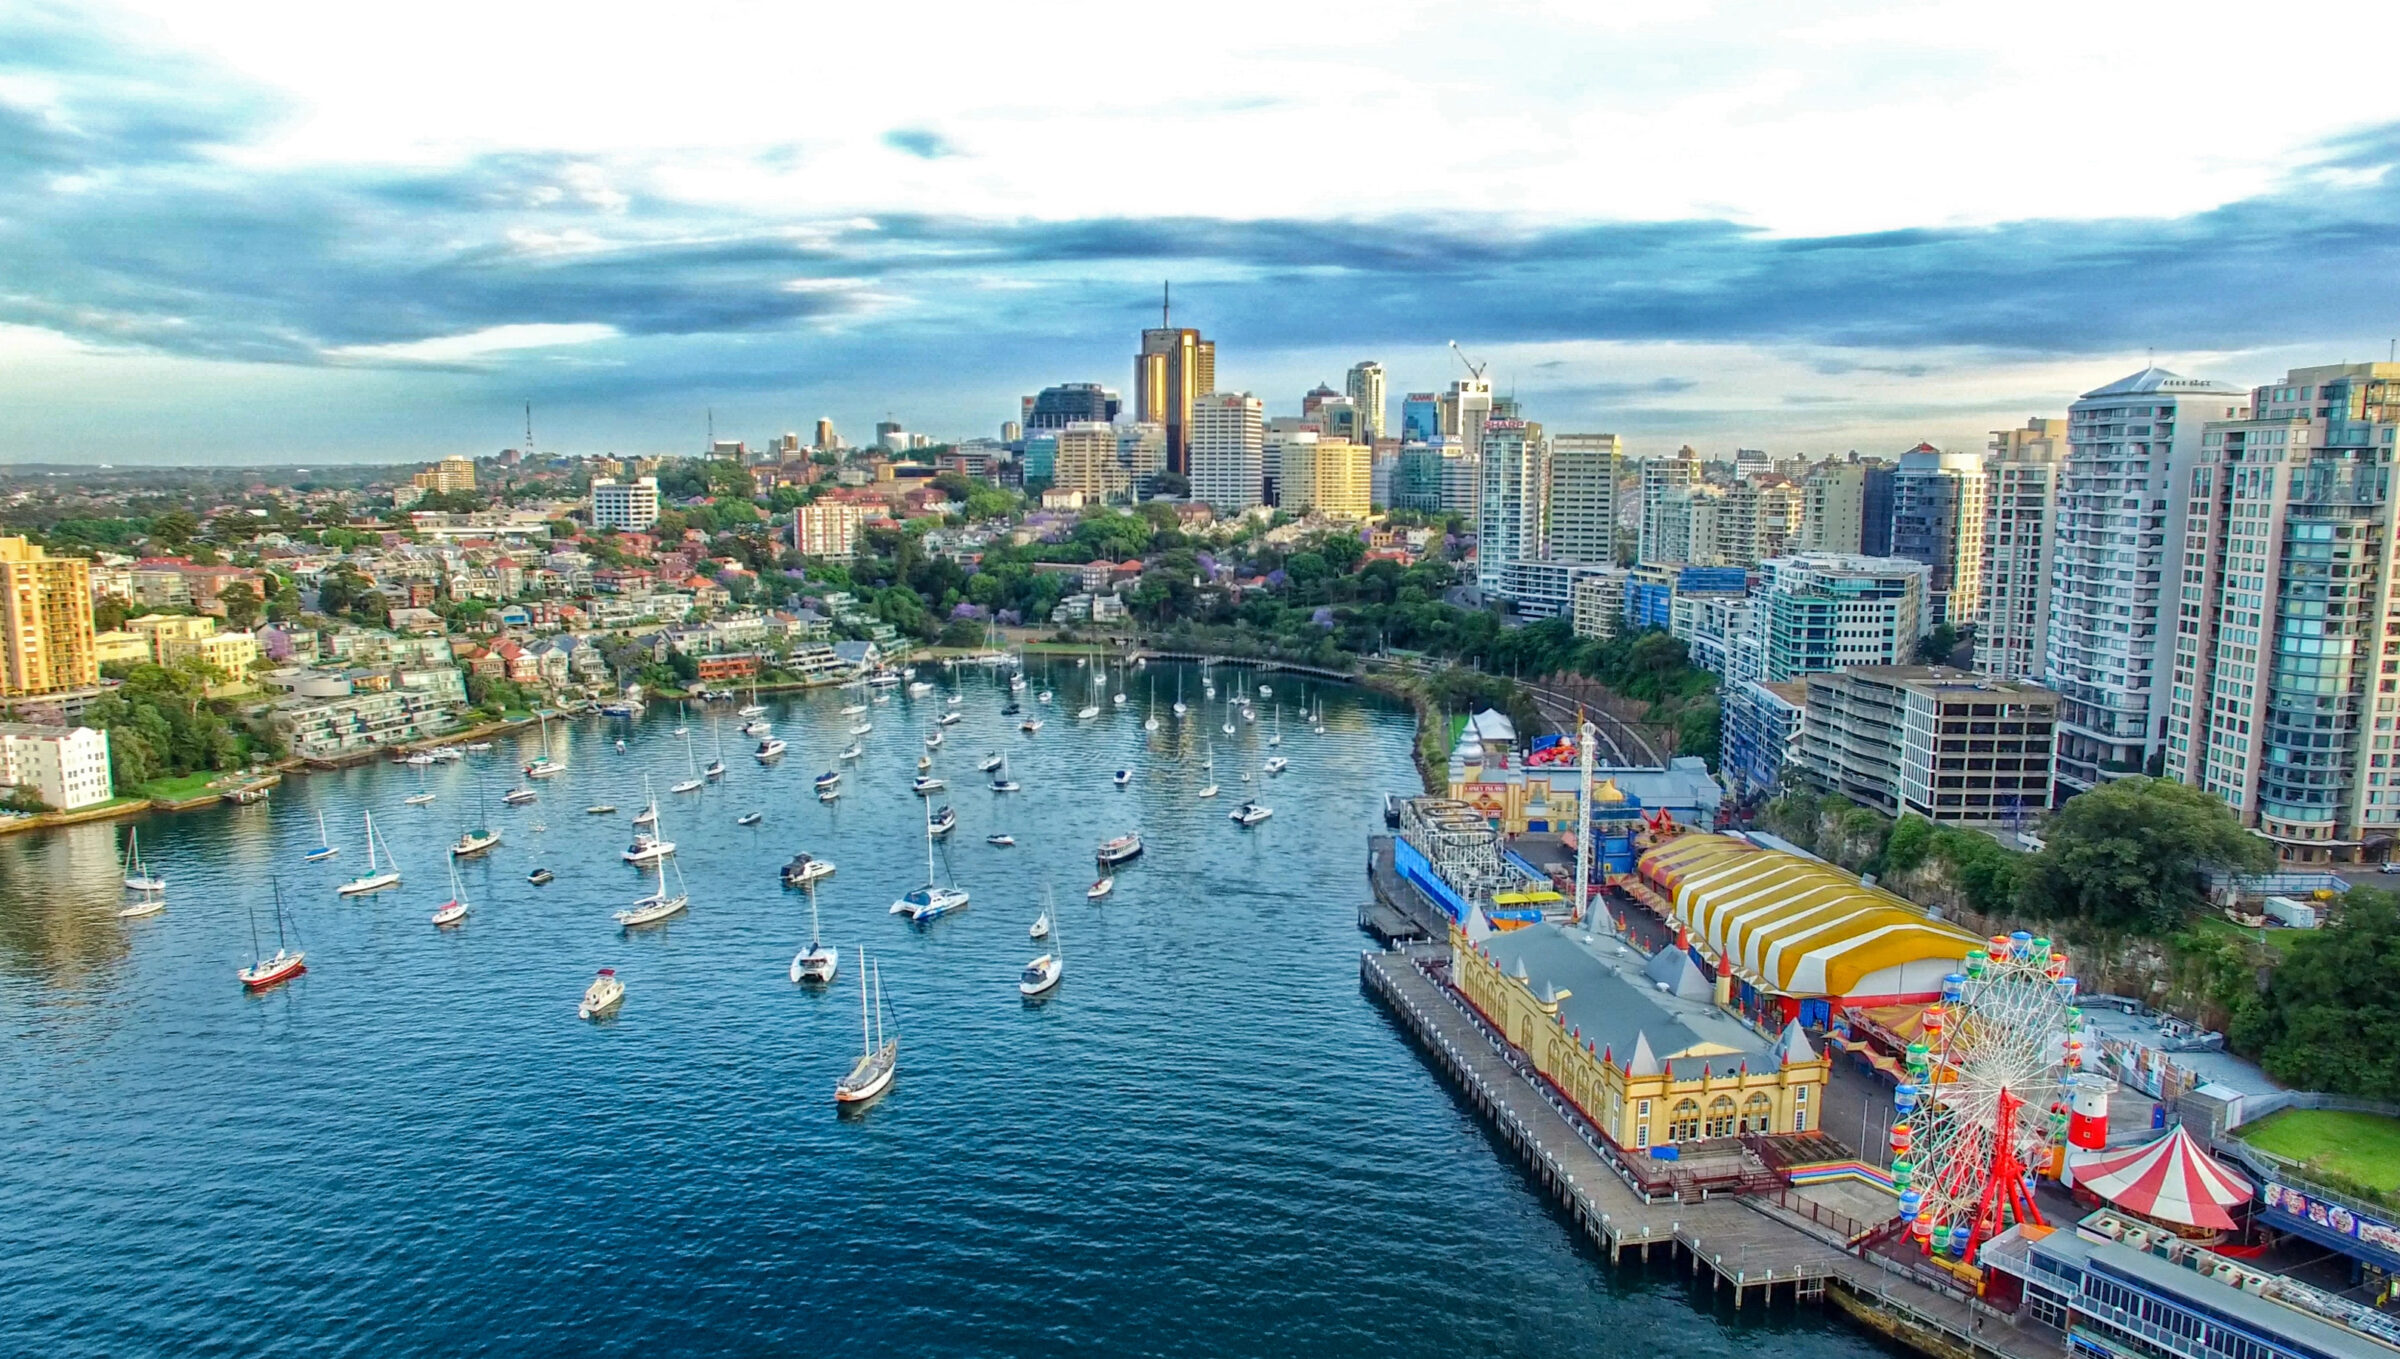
1119,850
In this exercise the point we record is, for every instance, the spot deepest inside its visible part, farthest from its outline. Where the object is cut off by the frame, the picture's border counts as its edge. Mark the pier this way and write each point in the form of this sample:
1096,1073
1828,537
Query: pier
1751,1238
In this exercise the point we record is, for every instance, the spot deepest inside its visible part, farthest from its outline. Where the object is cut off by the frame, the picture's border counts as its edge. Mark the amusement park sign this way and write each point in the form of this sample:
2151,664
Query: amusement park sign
2316,1217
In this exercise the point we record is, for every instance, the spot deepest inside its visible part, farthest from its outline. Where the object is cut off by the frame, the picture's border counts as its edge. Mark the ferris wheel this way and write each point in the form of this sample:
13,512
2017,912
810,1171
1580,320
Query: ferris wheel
1981,1109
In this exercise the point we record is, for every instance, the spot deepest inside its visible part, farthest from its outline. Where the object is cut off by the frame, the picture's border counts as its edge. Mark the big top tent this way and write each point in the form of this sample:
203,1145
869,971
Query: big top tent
2171,1180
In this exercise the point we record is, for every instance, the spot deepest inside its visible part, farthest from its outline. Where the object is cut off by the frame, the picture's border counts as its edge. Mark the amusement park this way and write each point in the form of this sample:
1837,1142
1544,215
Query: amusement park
1938,1132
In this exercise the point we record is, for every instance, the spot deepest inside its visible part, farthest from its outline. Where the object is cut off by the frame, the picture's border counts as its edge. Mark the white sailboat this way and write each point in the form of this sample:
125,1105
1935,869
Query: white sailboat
1042,975
138,877
931,901
1210,764
374,879
454,910
542,766
692,782
325,849
649,845
1041,925
660,904
1181,711
820,960
879,1061
716,767
1001,782
753,708
1229,706
1275,738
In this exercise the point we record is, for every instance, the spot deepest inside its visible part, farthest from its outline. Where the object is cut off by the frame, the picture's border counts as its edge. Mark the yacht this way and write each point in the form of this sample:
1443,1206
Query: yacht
1275,738
692,782
1003,839
931,901
138,877
542,766
659,905
861,727
148,903
916,687
454,910
991,762
1276,764
519,796
1265,692
749,818
1041,976
883,679
1100,889
374,879
830,795
1119,850
1250,814
806,868
1117,699
820,960
541,877
924,762
603,996
757,726
828,779
647,816
926,783
954,700
753,708
1122,777
1180,710
287,963
950,719
1002,783
872,1073
647,847
944,820
770,750
853,751
325,849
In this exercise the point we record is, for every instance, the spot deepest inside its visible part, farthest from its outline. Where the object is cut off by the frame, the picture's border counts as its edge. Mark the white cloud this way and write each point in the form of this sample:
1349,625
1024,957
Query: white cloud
467,348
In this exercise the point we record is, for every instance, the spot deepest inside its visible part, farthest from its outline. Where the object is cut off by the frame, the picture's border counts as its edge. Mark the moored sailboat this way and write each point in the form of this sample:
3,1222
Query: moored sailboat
374,879
872,1073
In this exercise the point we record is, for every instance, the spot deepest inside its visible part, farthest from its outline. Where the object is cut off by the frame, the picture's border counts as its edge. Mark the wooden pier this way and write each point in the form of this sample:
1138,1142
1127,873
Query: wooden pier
1754,1246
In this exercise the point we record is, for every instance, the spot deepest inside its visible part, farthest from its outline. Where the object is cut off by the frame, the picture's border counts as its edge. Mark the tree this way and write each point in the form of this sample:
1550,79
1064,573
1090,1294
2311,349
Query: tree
174,529
242,604
2127,856
2331,1018
109,613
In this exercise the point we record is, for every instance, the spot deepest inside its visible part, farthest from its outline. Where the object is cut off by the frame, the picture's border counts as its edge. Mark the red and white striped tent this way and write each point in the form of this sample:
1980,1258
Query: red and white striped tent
2171,1180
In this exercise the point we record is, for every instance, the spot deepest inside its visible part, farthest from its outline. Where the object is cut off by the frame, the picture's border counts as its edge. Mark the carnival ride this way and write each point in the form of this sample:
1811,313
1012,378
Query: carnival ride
1981,1110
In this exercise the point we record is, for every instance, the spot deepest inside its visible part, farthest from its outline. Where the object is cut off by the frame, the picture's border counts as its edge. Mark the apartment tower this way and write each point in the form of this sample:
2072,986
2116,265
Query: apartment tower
2020,483
45,622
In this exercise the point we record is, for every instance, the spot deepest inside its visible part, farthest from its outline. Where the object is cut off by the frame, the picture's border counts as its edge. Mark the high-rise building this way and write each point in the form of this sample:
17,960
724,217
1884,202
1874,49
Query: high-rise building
1659,476
2131,449
1069,402
2285,694
827,441
1420,418
1937,519
1752,462
627,506
1583,497
1142,448
1225,444
450,474
1436,477
1597,603
1464,409
1828,611
1945,744
1012,431
1688,525
1279,432
1085,459
1326,475
2019,502
1516,494
1876,498
1833,508
1779,516
1173,370
1365,389
828,526
45,622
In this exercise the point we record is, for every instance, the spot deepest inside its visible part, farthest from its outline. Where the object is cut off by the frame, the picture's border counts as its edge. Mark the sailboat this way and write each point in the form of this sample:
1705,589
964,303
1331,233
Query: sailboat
264,971
137,877
819,961
455,909
1275,738
684,728
716,767
872,1074
1150,704
1318,722
325,849
932,901
1042,975
1210,764
1001,782
1091,705
1229,717
373,880
691,765
648,845
753,708
1041,923
659,904
422,796
480,840
542,766
148,903
991,762
857,705
1181,711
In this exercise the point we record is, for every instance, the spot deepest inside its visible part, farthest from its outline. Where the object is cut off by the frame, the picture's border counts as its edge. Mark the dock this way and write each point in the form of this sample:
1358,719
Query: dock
1756,1243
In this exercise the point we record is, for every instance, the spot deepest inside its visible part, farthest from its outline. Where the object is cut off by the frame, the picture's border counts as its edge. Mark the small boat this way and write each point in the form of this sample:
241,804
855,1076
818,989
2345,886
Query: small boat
955,699
518,797
757,728
1277,764
828,779
620,745
541,877
374,879
1042,975
926,783
603,996
287,963
916,687
149,903
1003,839
1041,927
1030,725
1001,782
770,750
931,901
325,849
951,719
479,747
659,905
1120,850
944,820
692,782
1087,712
647,816
933,740
872,1073
473,842
1123,777
454,910
1042,697
138,877
647,849
1250,814
820,960
420,758
806,868
1100,889
417,799
861,727
852,751
749,818
991,762
1265,692
924,762
600,809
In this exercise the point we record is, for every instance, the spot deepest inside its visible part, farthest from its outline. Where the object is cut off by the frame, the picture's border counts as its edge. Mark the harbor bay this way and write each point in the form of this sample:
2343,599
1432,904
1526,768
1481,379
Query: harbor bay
1207,1140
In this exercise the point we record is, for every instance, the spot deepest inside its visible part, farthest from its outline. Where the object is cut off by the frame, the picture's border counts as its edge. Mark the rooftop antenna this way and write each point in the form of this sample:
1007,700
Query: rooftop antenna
712,429
529,429
1166,299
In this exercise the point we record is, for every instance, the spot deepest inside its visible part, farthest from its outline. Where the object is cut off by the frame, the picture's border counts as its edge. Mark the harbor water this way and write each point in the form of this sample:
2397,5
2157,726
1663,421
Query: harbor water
1207,1141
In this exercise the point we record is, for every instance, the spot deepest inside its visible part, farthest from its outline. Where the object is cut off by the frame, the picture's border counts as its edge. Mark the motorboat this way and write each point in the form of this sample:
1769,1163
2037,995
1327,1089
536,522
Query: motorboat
1265,692
820,960
647,816
479,747
916,687
806,868
603,996
757,727
1002,839
926,783
1117,699
416,799
853,751
828,779
1276,764
955,699
374,879
1030,725
991,762
1100,889
1042,975
518,797
1250,814
1042,697
951,719
944,820
749,818
1087,712
620,745
872,1073
1119,850
924,762
287,963
1122,777
1011,708
541,877
600,809
933,740
647,849
420,758
770,750
830,795
883,679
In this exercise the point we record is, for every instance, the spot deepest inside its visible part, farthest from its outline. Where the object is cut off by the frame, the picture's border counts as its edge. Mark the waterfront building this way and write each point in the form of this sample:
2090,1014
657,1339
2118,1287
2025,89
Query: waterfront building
1515,501
45,622
626,506
828,526
330,716
1326,475
1173,371
2117,567
1597,602
1364,385
1225,449
2020,503
1823,611
1536,789
1583,497
1084,459
1420,418
2285,693
1937,519
1948,745
1760,735
1659,477
1069,403
1646,1069
450,474
65,767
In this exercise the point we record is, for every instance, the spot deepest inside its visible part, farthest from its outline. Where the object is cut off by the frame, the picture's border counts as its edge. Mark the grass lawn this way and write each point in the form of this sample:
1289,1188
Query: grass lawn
2278,939
178,789
2357,1149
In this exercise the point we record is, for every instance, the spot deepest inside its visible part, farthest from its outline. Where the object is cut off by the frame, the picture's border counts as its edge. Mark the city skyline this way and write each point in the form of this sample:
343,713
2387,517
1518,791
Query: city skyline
243,240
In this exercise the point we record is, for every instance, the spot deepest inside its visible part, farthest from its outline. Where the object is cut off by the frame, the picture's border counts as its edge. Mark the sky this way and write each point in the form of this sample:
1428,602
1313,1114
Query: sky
267,232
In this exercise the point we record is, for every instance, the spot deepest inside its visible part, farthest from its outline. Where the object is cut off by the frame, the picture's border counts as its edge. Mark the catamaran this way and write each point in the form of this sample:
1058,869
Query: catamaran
137,877
287,963
325,849
819,961
931,901
454,910
373,880
692,782
872,1074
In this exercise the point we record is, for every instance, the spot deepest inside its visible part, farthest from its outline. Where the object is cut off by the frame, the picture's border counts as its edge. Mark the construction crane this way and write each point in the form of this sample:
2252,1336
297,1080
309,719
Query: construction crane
1474,369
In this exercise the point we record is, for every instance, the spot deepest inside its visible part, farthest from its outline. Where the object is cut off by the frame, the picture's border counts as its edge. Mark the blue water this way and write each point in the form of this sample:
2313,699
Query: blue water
1208,1141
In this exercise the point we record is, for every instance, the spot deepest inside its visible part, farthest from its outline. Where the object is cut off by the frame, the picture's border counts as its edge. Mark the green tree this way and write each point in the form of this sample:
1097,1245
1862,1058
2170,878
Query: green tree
2331,1016
242,605
2127,857
174,529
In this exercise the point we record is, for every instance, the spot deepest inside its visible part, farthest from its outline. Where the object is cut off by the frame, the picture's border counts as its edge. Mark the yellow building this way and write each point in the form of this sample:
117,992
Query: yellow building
1638,1045
177,637
1086,461
450,474
45,621
124,647
1329,476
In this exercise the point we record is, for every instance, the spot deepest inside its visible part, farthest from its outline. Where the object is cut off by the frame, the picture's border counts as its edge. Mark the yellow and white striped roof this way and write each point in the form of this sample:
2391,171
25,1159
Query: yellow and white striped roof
1791,924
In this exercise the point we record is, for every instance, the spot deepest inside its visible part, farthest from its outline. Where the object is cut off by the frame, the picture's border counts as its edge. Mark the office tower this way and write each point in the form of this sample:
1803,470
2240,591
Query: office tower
1365,388
1945,744
1937,519
1383,463
1011,431
1829,611
2286,686
1875,506
1659,476
1173,370
1279,432
1464,409
1515,501
627,506
1583,497
1315,400
1833,508
1039,466
1337,417
45,622
2131,449
1326,475
1063,405
1420,418
1436,477
1142,448
827,441
2019,500
1226,438
1085,459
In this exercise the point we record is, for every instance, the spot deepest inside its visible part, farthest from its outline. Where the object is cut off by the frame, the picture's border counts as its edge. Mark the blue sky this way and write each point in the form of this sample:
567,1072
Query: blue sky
282,232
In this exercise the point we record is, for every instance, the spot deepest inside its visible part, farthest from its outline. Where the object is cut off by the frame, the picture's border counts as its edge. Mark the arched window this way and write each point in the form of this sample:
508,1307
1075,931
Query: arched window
1683,1122
1758,1113
1721,1116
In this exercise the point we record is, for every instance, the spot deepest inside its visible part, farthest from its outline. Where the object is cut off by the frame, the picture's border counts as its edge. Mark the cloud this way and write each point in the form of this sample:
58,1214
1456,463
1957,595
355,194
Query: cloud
923,143
461,350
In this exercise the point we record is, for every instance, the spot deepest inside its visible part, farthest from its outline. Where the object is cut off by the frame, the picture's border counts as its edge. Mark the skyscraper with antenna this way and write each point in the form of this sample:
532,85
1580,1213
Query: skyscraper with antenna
1174,368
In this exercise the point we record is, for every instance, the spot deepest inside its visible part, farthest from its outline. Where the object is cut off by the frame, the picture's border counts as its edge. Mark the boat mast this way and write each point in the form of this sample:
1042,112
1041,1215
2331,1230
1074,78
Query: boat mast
866,1034
277,885
814,942
255,955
